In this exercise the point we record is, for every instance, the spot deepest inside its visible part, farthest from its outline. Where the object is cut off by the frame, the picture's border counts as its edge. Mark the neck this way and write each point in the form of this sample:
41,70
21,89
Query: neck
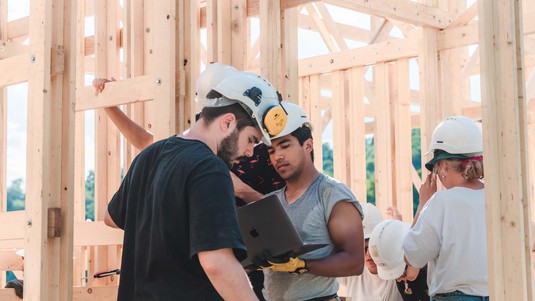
296,186
204,134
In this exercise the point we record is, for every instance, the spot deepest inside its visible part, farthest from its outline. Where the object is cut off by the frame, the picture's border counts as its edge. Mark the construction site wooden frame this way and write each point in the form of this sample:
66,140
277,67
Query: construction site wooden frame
155,50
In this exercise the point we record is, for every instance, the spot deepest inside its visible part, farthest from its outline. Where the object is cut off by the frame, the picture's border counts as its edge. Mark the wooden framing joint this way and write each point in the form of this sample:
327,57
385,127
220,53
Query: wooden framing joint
57,60
54,222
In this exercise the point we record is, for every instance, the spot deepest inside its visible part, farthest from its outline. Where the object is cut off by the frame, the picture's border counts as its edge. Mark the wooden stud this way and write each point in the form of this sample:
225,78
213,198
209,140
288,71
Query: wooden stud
505,145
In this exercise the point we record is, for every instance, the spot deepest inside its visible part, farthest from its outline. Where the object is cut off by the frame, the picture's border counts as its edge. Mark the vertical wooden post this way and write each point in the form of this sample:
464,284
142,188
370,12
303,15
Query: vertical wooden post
382,139
505,145
357,132
67,82
270,50
38,153
430,114
164,73
340,125
240,33
402,137
289,77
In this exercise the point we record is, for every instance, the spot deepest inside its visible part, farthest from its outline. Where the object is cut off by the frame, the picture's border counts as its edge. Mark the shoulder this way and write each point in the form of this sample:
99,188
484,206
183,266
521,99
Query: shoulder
334,188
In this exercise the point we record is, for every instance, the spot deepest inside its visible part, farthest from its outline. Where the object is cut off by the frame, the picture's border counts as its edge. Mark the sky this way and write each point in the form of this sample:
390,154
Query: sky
18,96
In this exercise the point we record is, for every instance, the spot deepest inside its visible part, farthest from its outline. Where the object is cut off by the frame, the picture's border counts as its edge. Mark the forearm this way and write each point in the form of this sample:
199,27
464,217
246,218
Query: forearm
133,132
248,195
341,264
226,275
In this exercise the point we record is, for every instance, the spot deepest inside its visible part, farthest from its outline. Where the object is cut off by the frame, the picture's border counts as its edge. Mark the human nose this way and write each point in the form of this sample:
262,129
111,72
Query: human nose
249,150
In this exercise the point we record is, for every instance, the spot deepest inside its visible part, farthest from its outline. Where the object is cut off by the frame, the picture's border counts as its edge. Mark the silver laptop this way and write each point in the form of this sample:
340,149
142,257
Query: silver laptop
265,227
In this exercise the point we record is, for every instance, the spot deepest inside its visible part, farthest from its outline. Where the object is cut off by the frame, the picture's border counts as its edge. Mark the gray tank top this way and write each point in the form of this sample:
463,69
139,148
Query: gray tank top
310,215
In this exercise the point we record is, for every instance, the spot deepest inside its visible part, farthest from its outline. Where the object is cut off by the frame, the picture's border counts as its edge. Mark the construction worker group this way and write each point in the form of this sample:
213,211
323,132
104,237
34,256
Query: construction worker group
182,241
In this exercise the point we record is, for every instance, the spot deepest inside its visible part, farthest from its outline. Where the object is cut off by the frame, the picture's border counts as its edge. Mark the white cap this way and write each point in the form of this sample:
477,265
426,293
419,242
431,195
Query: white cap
372,217
20,252
386,248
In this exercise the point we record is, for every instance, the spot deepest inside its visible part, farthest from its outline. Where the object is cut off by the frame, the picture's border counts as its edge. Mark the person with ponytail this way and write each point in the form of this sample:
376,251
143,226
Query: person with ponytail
449,231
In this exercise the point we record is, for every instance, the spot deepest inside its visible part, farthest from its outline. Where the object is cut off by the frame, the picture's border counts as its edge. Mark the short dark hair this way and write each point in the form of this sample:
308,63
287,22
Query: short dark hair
209,114
302,134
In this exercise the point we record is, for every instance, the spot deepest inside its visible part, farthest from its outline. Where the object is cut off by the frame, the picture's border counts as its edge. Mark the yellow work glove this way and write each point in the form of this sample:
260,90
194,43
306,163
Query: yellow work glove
288,264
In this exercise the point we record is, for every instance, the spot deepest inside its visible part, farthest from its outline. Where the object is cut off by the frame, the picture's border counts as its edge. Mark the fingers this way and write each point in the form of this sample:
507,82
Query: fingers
100,83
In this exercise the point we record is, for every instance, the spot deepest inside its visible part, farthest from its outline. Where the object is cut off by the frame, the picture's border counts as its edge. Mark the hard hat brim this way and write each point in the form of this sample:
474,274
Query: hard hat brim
440,155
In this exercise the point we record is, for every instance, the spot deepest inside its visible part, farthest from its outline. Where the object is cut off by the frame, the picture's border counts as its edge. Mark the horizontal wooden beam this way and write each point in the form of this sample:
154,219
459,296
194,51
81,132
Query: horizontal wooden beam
253,6
18,28
101,293
469,34
10,261
79,293
14,69
402,10
133,90
12,226
457,37
96,234
10,49
369,55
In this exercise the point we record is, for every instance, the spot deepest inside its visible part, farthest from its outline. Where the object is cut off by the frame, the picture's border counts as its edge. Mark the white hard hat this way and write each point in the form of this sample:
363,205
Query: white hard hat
372,217
209,78
257,96
386,248
457,135
20,252
296,119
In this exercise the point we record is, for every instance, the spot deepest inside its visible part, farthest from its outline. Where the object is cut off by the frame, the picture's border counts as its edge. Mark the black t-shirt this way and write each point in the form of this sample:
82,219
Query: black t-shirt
418,288
175,201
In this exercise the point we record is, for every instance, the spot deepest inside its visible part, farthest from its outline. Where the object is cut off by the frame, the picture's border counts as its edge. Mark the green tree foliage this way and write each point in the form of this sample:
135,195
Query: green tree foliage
90,196
370,166
327,159
15,196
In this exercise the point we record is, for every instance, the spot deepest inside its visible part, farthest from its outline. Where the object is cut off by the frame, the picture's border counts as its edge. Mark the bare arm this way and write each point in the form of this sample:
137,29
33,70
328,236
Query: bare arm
244,191
226,274
134,133
345,229
108,221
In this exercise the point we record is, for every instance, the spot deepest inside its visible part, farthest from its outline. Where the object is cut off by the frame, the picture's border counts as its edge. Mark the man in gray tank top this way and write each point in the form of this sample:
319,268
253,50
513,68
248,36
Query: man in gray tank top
323,210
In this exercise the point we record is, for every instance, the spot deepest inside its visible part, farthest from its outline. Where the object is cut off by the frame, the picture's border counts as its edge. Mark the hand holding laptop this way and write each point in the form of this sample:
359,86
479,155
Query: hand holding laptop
285,263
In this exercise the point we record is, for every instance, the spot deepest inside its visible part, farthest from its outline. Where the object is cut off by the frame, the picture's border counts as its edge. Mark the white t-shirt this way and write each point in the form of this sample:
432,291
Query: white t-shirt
368,287
450,235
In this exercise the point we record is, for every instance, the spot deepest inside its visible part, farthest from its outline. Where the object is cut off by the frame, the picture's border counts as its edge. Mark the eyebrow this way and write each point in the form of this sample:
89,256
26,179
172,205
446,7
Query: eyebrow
254,139
282,141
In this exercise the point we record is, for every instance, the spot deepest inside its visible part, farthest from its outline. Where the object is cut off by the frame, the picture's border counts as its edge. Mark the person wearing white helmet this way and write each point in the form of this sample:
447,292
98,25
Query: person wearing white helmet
449,232
139,137
386,251
322,210
369,286
252,176
176,203
17,284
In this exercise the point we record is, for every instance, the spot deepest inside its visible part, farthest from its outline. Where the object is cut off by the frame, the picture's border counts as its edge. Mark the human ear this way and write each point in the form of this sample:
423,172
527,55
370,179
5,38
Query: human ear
228,122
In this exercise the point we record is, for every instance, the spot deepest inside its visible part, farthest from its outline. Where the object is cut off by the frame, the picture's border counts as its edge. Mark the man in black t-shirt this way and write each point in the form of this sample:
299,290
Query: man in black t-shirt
252,176
176,203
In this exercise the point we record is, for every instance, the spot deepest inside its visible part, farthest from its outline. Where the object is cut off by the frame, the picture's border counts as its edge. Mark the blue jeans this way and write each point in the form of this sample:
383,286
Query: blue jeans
457,296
